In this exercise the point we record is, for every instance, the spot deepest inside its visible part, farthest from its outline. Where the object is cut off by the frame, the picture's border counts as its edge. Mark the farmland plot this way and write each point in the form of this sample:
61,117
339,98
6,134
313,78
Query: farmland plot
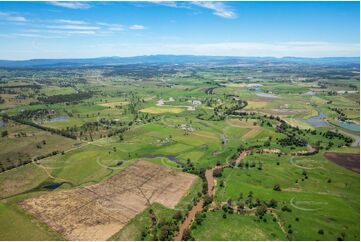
98,211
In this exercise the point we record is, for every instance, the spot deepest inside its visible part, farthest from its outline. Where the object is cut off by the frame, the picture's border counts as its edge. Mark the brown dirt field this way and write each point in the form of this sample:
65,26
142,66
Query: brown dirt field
347,160
98,211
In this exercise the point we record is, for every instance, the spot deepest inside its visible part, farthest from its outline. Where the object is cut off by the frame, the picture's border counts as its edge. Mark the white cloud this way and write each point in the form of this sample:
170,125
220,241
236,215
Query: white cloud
136,27
70,32
67,21
73,27
72,5
16,19
119,28
12,17
172,4
82,32
219,9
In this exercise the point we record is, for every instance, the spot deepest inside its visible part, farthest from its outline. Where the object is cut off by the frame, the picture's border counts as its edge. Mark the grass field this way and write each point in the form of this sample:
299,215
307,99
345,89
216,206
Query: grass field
118,123
157,110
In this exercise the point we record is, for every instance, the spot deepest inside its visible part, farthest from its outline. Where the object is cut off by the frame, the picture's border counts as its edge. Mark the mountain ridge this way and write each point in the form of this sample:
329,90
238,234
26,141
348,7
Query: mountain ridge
147,59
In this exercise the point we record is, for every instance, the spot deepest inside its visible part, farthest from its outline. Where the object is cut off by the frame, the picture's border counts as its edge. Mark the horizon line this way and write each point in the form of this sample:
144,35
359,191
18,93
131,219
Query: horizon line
225,56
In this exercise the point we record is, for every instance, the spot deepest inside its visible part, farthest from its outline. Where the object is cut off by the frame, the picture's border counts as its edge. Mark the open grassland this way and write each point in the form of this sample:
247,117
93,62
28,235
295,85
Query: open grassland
99,189
236,227
157,110
17,225
24,142
318,187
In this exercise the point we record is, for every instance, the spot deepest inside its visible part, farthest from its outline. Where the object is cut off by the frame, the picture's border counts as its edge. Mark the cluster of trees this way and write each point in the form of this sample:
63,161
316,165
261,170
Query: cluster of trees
292,141
238,106
165,229
66,98
332,135
20,119
189,167
23,161
239,205
340,114
40,157
252,164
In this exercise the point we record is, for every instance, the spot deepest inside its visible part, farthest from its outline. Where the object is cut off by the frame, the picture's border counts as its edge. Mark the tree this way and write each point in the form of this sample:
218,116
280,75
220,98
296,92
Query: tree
164,232
187,235
320,231
207,200
178,216
277,187
198,218
217,173
261,210
272,203
4,133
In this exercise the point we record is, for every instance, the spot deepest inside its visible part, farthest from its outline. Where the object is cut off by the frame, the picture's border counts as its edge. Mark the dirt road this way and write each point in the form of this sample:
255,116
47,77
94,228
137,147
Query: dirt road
199,206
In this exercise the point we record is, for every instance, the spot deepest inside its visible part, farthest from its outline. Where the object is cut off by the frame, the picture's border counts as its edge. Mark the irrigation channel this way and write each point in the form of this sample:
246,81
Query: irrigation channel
198,207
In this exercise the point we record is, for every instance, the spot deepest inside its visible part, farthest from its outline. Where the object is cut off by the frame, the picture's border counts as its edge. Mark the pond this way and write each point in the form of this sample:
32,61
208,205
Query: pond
318,121
170,157
262,94
259,92
309,93
53,186
349,126
344,92
254,85
58,118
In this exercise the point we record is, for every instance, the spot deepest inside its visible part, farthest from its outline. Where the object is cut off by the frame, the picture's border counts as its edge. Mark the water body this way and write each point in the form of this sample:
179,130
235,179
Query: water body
343,92
254,85
255,89
318,121
170,157
309,93
58,118
53,186
349,126
262,94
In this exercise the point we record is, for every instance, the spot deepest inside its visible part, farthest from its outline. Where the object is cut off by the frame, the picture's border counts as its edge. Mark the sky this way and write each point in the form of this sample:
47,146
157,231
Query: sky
34,30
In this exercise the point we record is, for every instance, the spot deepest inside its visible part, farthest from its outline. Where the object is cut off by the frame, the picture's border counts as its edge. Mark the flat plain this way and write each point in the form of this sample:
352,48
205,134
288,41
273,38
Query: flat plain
114,153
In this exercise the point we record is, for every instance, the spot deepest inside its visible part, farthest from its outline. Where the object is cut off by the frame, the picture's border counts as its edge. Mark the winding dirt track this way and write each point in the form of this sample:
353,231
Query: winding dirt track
199,206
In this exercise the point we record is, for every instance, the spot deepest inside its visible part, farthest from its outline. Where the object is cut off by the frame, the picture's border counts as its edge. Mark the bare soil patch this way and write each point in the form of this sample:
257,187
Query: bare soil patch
98,211
347,160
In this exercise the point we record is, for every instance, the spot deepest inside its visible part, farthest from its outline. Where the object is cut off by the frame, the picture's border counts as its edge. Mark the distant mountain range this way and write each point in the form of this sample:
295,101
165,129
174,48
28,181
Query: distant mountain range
172,59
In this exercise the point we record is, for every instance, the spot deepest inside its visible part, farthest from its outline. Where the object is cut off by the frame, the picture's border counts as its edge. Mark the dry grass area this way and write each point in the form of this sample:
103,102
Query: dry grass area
256,104
163,109
98,211
113,104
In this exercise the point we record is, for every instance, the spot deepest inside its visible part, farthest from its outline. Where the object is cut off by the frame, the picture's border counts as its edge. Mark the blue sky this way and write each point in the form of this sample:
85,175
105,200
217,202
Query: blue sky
93,29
